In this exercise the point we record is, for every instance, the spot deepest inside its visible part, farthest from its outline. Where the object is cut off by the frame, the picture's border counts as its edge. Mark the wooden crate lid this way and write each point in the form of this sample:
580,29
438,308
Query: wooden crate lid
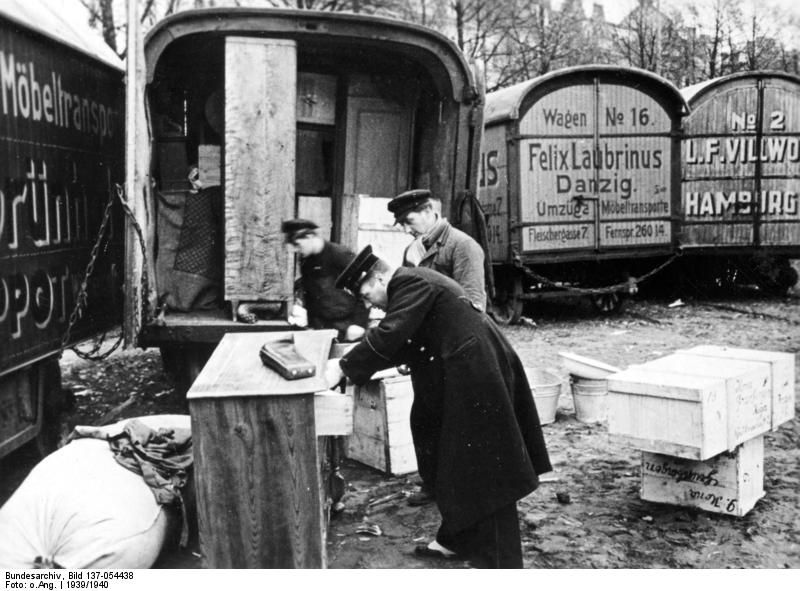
235,368
663,383
737,353
701,365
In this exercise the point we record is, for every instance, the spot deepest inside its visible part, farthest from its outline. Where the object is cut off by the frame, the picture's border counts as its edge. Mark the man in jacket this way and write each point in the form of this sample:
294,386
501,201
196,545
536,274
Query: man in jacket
321,262
482,425
438,245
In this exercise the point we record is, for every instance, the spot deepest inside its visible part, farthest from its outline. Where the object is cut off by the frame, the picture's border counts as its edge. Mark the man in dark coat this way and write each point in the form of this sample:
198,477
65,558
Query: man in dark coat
441,247
321,262
482,424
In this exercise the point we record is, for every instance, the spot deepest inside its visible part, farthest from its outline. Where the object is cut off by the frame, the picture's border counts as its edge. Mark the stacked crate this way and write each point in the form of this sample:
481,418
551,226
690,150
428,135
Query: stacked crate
699,417
381,436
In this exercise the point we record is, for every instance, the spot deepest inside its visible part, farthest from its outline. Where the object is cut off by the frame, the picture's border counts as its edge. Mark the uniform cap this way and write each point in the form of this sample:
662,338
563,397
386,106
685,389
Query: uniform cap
408,201
297,228
352,276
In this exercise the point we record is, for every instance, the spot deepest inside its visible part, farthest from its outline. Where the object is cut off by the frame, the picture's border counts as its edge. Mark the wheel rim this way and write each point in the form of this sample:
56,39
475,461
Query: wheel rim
607,302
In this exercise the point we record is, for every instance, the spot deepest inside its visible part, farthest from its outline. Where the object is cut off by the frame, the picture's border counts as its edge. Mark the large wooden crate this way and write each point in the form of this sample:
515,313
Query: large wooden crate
781,367
748,387
730,483
667,412
381,435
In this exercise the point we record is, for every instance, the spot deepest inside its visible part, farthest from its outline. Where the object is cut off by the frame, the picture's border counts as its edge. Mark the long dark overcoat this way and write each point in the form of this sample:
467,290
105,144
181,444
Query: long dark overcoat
488,441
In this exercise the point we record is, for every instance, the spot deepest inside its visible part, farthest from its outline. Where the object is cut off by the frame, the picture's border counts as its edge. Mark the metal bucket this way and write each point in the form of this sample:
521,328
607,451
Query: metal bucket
546,388
590,398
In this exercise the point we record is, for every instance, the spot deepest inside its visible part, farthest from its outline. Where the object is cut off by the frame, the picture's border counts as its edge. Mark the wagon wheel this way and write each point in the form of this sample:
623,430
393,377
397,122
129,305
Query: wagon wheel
607,303
507,303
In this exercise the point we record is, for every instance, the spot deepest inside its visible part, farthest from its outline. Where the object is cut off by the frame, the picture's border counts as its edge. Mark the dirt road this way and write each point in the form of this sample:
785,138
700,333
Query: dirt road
605,524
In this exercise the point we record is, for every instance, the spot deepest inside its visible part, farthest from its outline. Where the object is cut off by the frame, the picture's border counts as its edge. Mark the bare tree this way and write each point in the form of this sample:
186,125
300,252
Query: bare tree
714,28
638,37
761,49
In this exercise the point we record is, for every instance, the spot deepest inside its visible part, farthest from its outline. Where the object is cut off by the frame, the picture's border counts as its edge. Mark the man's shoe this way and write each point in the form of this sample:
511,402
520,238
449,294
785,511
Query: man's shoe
435,550
423,497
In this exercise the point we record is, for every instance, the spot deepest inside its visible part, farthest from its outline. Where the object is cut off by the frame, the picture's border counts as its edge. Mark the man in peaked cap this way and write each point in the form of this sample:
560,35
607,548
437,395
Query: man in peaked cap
480,422
439,246
321,262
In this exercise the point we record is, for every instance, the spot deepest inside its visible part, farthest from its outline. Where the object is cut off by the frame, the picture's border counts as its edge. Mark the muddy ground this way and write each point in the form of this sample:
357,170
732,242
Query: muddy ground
605,524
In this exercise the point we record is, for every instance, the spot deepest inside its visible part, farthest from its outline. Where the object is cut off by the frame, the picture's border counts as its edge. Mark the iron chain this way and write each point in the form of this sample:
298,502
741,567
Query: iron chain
83,295
598,290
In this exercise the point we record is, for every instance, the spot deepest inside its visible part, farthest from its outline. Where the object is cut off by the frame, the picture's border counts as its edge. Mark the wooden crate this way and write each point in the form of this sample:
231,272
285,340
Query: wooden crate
381,435
729,483
667,412
781,366
748,386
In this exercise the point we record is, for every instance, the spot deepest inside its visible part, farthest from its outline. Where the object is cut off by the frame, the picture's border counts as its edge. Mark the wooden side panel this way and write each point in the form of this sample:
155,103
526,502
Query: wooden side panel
493,189
649,410
368,441
260,99
729,483
606,142
740,164
399,396
381,430
782,371
257,477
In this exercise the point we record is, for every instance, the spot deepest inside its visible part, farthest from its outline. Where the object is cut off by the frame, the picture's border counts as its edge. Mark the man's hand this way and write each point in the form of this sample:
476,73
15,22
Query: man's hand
333,373
403,370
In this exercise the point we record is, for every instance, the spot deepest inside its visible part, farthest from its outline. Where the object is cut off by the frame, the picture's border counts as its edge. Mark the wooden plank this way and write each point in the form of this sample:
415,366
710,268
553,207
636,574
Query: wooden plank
318,210
782,368
260,83
235,368
402,459
368,450
369,417
257,479
333,413
376,227
209,165
729,483
138,186
667,412
381,425
749,390
399,396
348,234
